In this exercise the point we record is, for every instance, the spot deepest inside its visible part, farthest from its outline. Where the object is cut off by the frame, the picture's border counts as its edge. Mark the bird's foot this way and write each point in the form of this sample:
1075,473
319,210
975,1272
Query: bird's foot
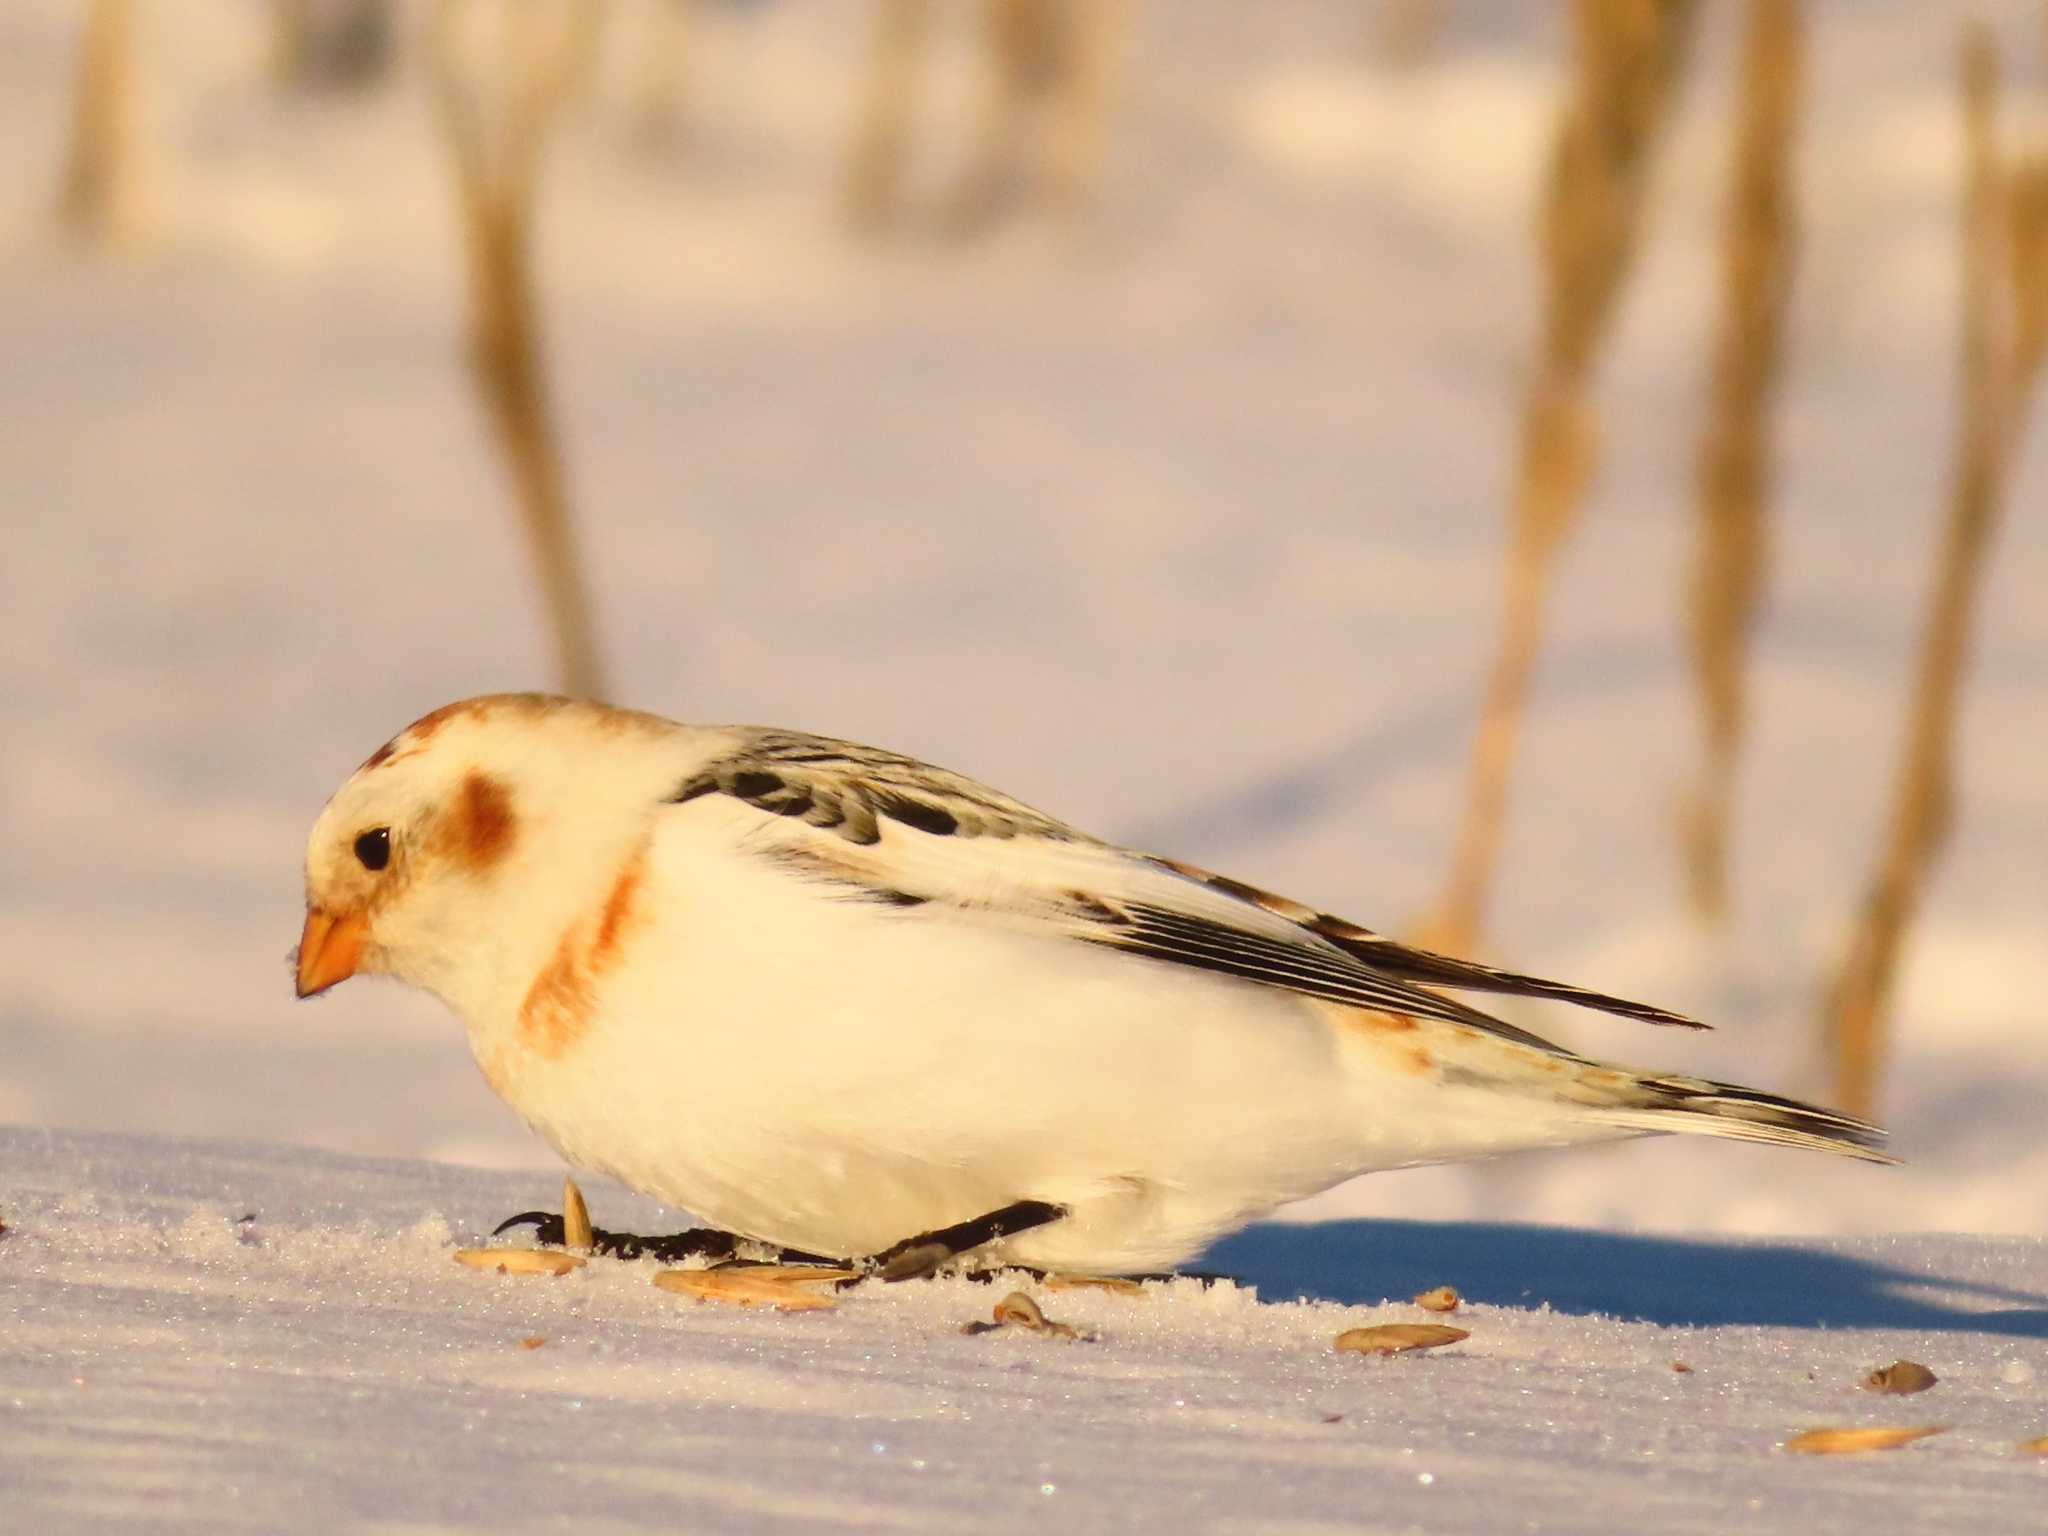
925,1254
707,1243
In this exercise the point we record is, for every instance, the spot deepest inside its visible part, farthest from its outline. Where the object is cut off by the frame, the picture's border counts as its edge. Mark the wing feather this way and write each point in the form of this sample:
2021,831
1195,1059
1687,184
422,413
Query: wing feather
906,836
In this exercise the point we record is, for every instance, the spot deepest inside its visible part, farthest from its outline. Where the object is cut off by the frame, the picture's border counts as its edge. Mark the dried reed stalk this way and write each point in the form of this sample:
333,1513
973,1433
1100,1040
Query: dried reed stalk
332,44
2004,324
1051,79
1097,33
1734,458
1630,53
664,67
881,140
1405,32
102,198
497,158
1028,54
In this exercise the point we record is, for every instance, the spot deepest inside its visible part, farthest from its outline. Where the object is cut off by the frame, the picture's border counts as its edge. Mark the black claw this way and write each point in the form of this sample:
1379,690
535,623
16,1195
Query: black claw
547,1227
914,1263
922,1255
698,1242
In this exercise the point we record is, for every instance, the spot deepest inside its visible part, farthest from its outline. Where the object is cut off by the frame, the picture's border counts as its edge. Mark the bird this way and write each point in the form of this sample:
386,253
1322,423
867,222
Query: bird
848,1005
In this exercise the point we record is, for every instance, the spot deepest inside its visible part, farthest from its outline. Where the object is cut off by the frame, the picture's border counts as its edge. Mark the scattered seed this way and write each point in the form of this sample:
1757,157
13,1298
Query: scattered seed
779,1287
1847,1442
1900,1378
1443,1299
1019,1311
2035,1447
519,1261
532,1341
576,1234
1397,1338
1681,1367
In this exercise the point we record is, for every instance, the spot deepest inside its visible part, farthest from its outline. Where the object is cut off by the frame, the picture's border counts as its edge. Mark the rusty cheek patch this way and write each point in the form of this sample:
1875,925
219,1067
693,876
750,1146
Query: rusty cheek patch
485,826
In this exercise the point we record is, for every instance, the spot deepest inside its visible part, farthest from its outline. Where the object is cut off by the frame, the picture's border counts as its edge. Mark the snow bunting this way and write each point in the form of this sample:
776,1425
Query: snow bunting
841,1001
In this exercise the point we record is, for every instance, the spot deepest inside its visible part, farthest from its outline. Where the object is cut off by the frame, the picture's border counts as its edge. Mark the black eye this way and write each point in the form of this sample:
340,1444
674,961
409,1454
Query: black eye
373,848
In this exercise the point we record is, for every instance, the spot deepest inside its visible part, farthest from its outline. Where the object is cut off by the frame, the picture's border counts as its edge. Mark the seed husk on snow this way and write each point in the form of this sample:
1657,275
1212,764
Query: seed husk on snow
1397,1338
532,1341
2037,1447
1444,1298
1019,1311
519,1261
576,1234
1847,1442
780,1287
1900,1378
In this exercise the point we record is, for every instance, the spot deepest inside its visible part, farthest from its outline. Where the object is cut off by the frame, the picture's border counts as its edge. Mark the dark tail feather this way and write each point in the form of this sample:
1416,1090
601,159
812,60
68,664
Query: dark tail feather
1693,1105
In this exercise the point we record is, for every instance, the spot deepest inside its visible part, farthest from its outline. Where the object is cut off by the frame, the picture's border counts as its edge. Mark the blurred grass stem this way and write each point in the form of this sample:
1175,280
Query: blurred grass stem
102,200
2003,327
497,157
1629,56
1734,469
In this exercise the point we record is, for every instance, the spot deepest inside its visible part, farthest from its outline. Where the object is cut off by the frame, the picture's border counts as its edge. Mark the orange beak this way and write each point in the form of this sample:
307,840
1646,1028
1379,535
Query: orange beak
329,950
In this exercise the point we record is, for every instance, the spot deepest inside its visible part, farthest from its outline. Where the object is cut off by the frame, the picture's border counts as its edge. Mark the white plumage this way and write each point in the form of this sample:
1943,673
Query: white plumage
831,998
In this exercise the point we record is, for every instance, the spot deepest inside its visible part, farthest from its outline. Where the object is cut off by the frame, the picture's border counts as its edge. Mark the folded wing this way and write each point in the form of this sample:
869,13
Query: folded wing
873,826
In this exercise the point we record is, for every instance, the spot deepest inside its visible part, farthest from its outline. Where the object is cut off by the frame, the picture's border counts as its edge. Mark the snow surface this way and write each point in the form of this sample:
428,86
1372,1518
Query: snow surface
216,1336
1184,524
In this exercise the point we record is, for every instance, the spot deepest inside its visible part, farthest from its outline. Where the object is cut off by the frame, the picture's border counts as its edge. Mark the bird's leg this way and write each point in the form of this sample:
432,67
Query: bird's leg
697,1242
916,1257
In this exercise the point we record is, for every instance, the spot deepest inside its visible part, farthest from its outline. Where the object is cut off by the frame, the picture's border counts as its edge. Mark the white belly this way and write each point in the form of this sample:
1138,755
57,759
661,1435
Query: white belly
838,1076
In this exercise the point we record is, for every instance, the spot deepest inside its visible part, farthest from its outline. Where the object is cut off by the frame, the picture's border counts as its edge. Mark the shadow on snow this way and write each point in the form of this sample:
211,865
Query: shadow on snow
1669,1280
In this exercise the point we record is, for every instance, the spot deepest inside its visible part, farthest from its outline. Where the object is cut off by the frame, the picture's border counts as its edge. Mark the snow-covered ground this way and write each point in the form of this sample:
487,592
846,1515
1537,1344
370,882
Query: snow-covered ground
213,1336
1184,524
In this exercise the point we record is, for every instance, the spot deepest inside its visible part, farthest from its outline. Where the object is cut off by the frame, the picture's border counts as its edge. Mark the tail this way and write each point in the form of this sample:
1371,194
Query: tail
1694,1105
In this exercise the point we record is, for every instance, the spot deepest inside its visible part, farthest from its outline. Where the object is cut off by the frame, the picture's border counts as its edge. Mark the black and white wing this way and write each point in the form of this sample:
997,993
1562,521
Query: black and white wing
874,826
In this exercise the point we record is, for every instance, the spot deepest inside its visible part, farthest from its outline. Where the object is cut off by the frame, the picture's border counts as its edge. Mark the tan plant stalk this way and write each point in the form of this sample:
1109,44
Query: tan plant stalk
496,146
1734,459
666,52
333,44
1406,32
881,140
2004,323
102,198
1030,58
1629,57
1097,31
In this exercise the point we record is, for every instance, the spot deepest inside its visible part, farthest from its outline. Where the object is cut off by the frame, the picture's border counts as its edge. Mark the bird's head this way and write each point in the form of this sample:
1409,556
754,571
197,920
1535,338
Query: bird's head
458,850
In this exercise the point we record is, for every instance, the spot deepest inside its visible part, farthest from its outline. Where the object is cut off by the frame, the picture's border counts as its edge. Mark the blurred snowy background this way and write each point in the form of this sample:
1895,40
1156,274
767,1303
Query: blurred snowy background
1183,519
